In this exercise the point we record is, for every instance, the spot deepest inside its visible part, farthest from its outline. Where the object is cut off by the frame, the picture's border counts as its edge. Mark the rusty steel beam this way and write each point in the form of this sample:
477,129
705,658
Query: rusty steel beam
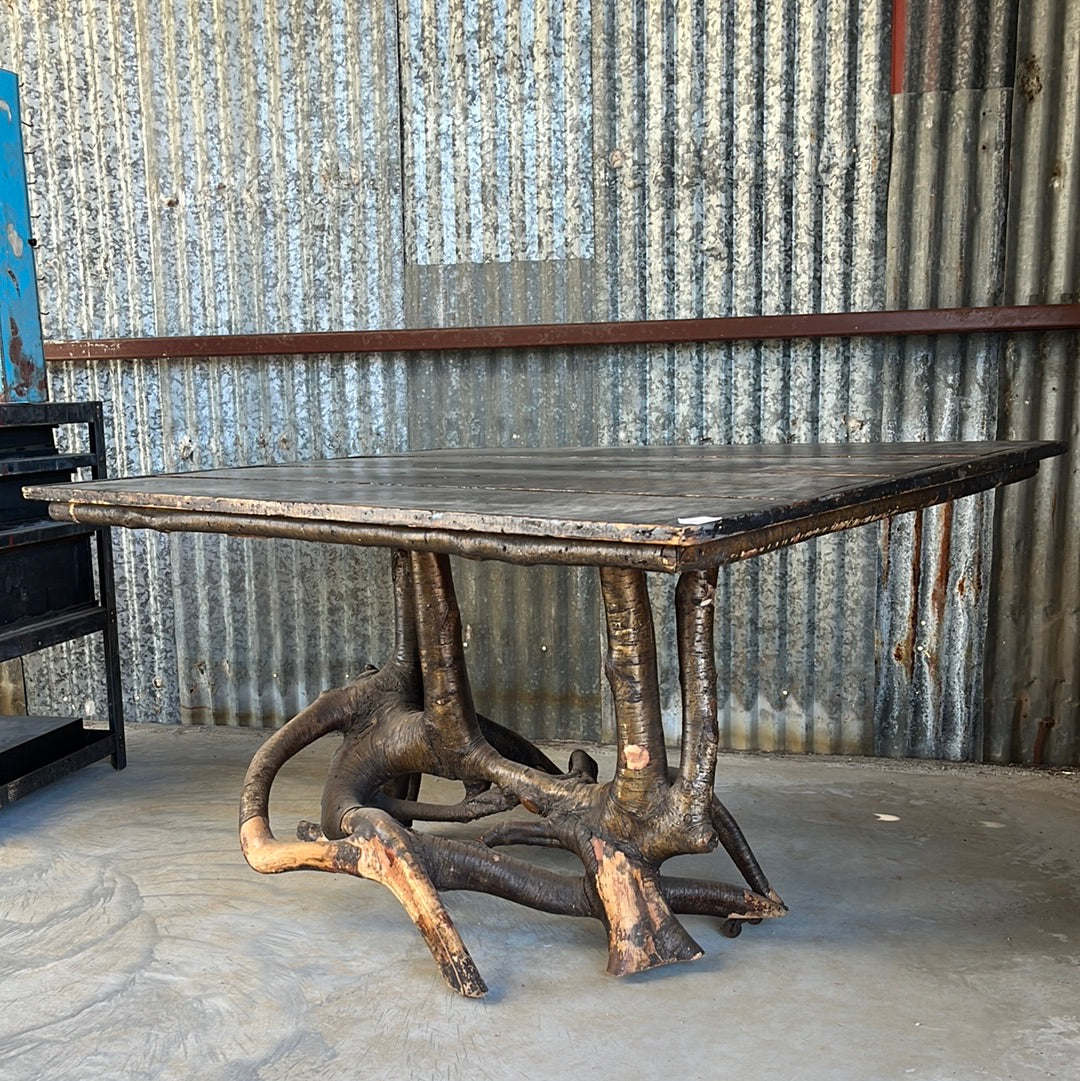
1031,317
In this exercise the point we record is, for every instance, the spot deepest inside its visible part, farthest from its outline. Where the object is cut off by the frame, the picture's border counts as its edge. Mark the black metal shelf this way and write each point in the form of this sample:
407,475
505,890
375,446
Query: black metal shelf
34,751
39,632
47,414
37,531
56,463
51,593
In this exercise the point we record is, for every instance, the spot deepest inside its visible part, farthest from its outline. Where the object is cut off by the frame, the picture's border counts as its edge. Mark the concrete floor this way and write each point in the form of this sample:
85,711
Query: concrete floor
941,940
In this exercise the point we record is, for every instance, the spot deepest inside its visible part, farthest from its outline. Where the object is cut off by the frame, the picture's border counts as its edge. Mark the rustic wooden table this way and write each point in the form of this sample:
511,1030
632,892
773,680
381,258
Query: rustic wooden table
625,510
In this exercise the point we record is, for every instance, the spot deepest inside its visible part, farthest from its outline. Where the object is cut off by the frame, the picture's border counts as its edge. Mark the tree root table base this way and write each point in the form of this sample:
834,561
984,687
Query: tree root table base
415,716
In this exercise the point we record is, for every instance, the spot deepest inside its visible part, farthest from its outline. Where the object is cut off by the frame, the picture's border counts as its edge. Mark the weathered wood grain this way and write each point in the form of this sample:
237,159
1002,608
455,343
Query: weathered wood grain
684,498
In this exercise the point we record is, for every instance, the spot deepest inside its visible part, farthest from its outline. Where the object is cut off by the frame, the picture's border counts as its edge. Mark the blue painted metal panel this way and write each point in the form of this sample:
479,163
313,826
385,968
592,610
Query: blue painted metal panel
22,376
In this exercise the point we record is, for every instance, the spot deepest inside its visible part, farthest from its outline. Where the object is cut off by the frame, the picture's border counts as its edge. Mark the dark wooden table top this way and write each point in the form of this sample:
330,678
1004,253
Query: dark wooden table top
661,508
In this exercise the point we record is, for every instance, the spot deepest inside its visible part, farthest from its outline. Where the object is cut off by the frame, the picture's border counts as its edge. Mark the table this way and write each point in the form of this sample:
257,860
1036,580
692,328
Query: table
627,511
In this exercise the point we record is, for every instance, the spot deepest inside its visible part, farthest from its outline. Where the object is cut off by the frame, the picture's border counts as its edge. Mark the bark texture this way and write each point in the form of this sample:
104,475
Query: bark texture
415,716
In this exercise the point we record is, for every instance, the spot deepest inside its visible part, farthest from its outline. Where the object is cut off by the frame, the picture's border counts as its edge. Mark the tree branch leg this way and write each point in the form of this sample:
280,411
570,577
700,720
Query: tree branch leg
416,715
701,898
378,849
697,676
736,846
406,651
448,701
642,931
641,769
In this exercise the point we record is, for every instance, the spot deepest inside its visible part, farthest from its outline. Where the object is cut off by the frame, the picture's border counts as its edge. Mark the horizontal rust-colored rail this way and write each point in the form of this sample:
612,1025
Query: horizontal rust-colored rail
1030,317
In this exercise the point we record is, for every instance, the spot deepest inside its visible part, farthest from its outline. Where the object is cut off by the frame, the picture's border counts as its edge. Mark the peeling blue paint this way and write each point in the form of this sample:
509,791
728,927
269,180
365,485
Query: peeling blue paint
23,370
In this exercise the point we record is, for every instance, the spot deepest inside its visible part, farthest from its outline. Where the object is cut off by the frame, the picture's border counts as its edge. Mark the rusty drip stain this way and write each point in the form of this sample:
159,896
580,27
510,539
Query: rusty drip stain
1042,737
1029,78
905,648
941,578
30,377
885,548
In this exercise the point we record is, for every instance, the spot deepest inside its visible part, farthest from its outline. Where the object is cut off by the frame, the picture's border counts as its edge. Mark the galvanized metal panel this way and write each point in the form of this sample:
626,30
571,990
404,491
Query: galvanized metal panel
676,149
497,157
979,145
205,168
743,150
574,159
201,170
599,159
1033,674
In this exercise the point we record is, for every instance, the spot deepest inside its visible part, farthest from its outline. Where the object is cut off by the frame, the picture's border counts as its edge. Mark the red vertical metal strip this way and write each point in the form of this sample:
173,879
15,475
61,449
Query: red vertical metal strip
899,44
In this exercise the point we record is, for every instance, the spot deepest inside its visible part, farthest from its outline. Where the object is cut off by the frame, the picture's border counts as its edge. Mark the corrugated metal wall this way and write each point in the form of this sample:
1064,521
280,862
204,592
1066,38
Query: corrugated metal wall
210,168
948,194
1033,652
